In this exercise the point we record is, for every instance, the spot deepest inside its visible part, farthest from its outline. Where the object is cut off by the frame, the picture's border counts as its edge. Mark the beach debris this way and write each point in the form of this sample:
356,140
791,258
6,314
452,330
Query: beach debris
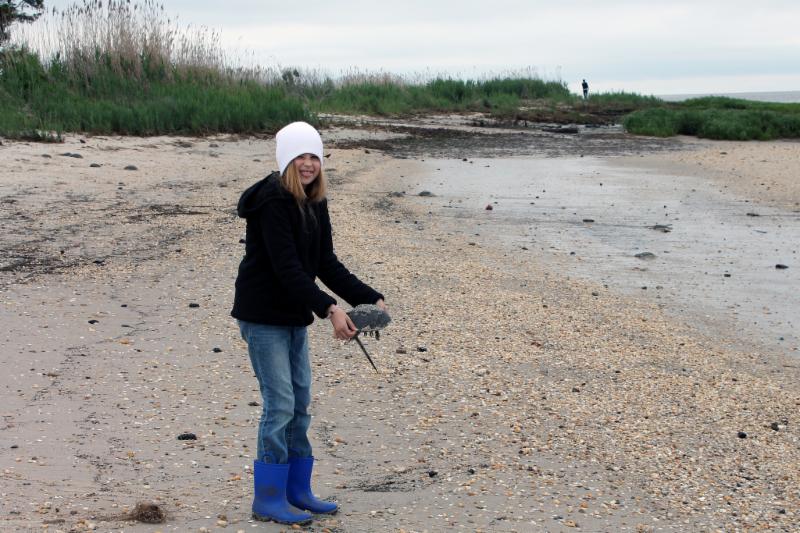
187,436
147,513
216,349
645,256
369,319
663,228
95,165
194,305
396,194
131,167
253,403
742,435
489,207
571,130
781,266
588,220
753,214
93,321
425,193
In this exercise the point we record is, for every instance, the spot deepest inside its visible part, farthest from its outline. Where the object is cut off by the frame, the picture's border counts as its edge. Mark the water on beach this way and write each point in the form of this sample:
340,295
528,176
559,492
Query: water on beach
706,256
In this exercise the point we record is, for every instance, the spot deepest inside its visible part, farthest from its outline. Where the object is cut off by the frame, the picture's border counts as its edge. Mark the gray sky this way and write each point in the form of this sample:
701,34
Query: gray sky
659,47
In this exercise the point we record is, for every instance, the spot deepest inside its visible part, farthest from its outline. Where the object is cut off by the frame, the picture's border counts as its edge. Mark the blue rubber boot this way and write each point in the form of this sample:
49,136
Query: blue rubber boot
270,502
298,488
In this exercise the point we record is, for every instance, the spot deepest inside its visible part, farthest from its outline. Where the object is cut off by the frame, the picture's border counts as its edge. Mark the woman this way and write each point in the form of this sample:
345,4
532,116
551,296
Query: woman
287,246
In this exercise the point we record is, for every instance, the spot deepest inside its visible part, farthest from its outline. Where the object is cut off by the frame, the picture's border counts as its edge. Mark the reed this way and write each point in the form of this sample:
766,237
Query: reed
721,119
120,66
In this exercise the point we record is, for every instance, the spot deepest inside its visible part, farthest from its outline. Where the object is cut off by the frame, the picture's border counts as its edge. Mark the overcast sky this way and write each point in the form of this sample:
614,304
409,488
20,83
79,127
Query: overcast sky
659,47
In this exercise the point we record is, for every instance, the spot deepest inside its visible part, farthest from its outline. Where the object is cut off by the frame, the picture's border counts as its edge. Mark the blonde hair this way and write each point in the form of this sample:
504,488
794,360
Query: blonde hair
315,192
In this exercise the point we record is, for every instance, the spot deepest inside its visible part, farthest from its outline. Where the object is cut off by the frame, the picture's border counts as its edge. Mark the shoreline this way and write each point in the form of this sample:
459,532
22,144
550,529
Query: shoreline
533,405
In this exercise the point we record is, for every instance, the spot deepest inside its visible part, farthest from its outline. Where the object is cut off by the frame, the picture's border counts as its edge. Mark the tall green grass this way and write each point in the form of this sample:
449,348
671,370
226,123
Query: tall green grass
193,101
718,118
387,95
117,67
122,66
621,100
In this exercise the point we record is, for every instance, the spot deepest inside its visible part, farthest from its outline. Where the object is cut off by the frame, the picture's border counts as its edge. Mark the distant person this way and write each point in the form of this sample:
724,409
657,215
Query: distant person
585,89
288,245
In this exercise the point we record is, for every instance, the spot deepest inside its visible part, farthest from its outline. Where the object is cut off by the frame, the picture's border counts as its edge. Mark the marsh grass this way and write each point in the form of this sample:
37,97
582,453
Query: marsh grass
117,67
621,101
391,95
718,118
120,66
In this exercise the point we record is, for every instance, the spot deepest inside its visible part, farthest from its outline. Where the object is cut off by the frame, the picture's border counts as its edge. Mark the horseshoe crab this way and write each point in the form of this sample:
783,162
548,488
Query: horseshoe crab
370,320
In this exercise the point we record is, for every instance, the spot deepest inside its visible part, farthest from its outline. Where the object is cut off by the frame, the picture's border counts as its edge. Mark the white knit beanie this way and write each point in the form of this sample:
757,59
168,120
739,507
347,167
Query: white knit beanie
296,139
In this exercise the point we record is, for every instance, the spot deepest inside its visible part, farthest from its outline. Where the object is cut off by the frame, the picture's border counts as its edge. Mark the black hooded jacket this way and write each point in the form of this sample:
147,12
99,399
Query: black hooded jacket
285,251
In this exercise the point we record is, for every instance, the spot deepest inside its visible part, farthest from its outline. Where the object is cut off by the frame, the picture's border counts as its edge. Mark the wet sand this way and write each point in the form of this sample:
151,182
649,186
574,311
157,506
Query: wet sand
705,252
513,396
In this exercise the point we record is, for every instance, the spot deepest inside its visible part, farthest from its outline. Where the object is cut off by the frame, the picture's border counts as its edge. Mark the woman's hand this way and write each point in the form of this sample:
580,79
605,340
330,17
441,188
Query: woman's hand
380,303
343,327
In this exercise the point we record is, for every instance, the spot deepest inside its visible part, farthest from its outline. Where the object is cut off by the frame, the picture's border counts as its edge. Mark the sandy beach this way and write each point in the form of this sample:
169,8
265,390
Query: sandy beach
513,395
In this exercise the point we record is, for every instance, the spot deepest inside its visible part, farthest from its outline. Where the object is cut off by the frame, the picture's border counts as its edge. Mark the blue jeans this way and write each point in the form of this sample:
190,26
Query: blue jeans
279,355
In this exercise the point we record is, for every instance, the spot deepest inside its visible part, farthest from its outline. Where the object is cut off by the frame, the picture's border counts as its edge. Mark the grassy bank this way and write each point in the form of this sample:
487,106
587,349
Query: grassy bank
118,67
395,96
718,118
159,100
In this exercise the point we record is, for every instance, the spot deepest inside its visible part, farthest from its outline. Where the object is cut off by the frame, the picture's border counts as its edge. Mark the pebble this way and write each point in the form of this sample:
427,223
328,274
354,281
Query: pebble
434,416
131,167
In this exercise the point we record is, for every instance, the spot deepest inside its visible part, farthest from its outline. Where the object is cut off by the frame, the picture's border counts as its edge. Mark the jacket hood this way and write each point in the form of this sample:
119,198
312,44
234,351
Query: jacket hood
255,196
